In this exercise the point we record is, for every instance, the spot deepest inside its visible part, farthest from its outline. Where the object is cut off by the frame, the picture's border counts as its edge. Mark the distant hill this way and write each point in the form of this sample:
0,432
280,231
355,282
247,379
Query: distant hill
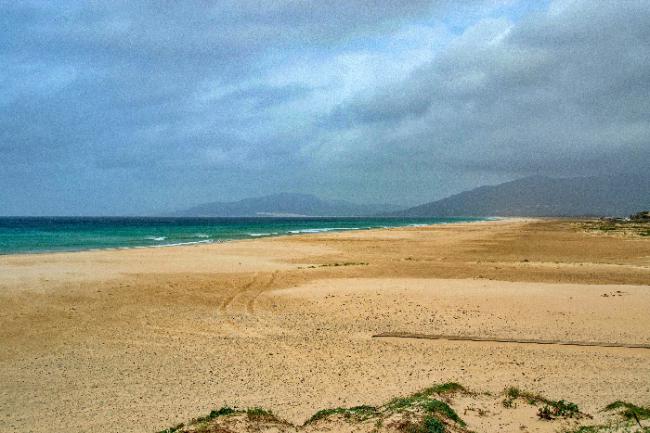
619,195
286,204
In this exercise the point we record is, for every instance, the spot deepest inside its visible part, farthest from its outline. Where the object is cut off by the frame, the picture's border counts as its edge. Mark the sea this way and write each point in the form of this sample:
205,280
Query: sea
19,235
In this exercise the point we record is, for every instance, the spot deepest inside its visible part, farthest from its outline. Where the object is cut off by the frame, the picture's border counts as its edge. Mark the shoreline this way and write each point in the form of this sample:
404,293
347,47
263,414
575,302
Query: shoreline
252,237
138,340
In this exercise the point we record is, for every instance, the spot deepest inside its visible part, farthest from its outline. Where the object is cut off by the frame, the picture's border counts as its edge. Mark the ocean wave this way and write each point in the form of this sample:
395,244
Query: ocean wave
321,230
176,244
156,238
257,235
200,235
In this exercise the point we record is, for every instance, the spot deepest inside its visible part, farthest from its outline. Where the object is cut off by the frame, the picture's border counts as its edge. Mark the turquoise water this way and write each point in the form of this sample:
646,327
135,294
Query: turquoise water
33,235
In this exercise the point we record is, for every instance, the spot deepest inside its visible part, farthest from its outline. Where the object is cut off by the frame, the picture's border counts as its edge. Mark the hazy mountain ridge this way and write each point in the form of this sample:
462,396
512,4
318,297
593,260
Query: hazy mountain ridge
619,195
286,204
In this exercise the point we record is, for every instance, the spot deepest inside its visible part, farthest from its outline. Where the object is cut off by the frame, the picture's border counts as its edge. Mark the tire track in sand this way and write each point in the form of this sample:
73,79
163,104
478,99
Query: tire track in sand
511,340
250,305
242,299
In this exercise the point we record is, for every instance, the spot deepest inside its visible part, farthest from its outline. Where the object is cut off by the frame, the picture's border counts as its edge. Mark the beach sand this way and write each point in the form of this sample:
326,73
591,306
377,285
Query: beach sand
138,340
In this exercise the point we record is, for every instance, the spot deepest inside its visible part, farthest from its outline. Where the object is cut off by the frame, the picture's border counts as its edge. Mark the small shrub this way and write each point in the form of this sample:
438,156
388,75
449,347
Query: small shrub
422,396
513,392
551,408
215,414
402,403
442,408
429,424
629,410
359,412
221,412
545,412
446,388
433,425
565,409
259,413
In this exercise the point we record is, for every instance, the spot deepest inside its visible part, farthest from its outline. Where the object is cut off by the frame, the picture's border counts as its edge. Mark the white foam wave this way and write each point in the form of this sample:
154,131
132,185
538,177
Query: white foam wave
257,235
321,230
156,238
207,241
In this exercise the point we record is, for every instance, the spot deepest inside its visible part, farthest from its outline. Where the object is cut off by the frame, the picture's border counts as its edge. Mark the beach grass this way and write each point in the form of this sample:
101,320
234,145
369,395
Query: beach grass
431,415
426,411
549,409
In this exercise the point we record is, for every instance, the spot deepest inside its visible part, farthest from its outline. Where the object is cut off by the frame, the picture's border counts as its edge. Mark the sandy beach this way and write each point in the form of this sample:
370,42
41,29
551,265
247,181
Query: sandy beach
138,340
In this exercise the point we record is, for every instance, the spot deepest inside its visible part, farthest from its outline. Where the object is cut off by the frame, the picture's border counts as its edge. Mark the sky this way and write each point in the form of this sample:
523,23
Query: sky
141,107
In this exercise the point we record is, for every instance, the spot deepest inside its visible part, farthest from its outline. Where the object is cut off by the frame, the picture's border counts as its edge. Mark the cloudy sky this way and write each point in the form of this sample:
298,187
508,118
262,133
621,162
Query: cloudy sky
136,107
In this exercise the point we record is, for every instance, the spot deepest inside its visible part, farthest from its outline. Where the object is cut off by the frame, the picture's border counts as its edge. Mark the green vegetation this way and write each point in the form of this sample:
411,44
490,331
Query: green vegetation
636,225
558,409
626,427
446,388
431,415
551,408
423,402
629,410
422,397
566,408
359,413
430,425
215,414
173,429
436,411
545,412
631,415
257,413
442,408
220,412
420,401
203,419
253,413
426,411
512,393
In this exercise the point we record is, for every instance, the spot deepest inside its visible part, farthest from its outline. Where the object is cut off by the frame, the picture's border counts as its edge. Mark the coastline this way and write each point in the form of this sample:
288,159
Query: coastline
205,239
140,339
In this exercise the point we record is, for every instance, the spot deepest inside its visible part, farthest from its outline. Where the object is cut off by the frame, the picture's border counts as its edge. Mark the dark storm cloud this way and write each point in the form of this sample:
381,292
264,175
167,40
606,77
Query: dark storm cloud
561,92
157,105
106,75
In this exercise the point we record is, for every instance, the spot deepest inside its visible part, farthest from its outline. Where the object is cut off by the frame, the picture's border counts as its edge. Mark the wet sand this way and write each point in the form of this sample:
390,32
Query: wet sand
137,340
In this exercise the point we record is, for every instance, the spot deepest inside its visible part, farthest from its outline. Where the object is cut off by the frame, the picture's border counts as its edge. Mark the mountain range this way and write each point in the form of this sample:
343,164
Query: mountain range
286,204
618,195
